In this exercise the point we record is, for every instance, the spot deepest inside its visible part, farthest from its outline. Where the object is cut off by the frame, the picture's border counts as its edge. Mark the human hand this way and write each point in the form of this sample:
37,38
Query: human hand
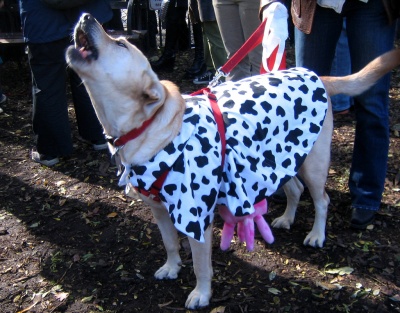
275,33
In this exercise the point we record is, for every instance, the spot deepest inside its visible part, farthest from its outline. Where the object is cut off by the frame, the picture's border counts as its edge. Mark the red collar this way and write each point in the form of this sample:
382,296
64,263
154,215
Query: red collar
134,133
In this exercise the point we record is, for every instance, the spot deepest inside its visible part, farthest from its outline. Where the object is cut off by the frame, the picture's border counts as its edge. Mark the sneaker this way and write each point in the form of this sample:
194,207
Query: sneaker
43,159
204,79
99,145
96,144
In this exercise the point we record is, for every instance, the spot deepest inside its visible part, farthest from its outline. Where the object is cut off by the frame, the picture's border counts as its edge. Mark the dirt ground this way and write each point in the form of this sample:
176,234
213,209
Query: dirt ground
71,241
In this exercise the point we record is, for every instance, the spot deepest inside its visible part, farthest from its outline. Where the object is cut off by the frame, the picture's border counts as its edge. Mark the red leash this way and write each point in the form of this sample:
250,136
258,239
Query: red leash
253,41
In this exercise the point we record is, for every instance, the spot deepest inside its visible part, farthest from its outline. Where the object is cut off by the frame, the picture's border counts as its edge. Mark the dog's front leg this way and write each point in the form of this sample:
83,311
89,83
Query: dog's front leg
169,235
201,255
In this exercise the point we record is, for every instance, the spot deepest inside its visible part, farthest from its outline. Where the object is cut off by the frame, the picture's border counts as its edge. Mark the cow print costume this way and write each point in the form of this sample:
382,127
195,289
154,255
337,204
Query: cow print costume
271,122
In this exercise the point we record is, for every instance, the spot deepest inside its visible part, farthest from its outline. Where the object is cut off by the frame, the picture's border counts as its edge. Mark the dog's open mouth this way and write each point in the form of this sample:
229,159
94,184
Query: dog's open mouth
86,46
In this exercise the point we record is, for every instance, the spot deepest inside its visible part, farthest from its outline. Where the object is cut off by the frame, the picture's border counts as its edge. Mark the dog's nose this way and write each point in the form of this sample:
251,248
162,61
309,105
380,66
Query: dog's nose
86,16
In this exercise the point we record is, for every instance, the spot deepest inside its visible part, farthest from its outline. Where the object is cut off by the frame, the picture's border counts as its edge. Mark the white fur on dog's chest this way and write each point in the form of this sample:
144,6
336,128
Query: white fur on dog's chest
272,122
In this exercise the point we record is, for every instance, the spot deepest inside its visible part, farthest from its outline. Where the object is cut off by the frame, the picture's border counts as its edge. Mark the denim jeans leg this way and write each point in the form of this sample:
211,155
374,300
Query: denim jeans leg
316,50
341,67
370,35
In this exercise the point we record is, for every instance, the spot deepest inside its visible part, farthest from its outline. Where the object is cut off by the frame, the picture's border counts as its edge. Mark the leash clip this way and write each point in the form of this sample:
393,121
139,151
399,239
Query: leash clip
116,145
215,81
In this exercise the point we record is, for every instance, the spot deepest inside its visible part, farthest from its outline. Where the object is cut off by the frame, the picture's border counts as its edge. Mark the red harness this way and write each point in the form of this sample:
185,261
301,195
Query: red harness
155,189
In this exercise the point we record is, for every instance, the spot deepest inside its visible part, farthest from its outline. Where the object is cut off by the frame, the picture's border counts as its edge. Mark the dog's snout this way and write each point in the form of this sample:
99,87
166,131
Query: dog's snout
87,17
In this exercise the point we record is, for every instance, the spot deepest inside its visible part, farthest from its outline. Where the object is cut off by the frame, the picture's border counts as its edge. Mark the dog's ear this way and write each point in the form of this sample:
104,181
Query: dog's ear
153,96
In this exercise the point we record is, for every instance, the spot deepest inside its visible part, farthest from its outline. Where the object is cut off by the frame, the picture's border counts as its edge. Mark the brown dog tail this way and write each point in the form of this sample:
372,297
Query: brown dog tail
357,83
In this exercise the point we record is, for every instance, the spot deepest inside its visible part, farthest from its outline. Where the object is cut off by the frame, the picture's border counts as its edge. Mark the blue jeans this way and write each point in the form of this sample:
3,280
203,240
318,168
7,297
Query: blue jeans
369,36
341,67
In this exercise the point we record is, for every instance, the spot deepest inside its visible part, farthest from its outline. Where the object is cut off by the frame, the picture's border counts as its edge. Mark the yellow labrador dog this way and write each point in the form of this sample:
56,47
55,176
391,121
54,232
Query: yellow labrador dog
274,126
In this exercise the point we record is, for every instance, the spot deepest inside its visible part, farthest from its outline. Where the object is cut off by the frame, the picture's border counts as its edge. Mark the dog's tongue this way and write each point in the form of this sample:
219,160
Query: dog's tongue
84,53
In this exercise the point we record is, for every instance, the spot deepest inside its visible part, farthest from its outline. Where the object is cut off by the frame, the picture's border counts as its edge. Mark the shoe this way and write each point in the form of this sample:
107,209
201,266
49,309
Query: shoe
3,98
361,218
198,68
204,79
165,63
43,159
99,145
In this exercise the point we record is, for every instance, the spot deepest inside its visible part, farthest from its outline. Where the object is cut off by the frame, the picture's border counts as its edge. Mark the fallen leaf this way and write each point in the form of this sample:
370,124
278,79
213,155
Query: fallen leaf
341,271
87,299
112,214
274,291
61,296
328,286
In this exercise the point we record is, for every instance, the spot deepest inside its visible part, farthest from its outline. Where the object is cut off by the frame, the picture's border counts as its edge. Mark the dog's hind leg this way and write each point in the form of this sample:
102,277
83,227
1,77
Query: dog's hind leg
169,235
293,190
316,186
201,255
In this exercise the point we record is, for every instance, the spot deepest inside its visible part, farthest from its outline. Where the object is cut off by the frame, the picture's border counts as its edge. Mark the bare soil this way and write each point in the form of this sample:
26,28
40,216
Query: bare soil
71,241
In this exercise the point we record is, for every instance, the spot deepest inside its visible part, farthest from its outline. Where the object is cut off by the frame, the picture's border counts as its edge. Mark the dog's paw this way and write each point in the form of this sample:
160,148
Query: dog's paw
282,222
314,240
168,271
198,299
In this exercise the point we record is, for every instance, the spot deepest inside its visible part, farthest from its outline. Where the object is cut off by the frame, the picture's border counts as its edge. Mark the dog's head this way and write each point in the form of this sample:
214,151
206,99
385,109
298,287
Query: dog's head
119,79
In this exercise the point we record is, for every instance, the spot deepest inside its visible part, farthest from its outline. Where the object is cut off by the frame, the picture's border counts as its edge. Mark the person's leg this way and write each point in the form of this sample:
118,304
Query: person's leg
205,77
198,65
50,116
316,50
215,44
89,126
369,35
249,19
207,52
173,29
229,22
341,67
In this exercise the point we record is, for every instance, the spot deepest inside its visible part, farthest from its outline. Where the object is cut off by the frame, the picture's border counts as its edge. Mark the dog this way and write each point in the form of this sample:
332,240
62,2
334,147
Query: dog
156,130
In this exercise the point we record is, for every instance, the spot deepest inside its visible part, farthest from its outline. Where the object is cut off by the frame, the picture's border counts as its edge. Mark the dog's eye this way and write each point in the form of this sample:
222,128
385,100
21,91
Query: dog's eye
121,44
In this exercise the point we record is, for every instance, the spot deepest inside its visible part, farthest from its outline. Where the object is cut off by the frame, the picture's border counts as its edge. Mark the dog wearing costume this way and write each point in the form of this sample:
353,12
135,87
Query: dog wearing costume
276,126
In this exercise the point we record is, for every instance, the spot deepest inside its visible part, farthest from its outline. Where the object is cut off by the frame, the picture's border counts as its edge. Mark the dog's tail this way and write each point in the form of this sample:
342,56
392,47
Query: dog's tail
357,83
